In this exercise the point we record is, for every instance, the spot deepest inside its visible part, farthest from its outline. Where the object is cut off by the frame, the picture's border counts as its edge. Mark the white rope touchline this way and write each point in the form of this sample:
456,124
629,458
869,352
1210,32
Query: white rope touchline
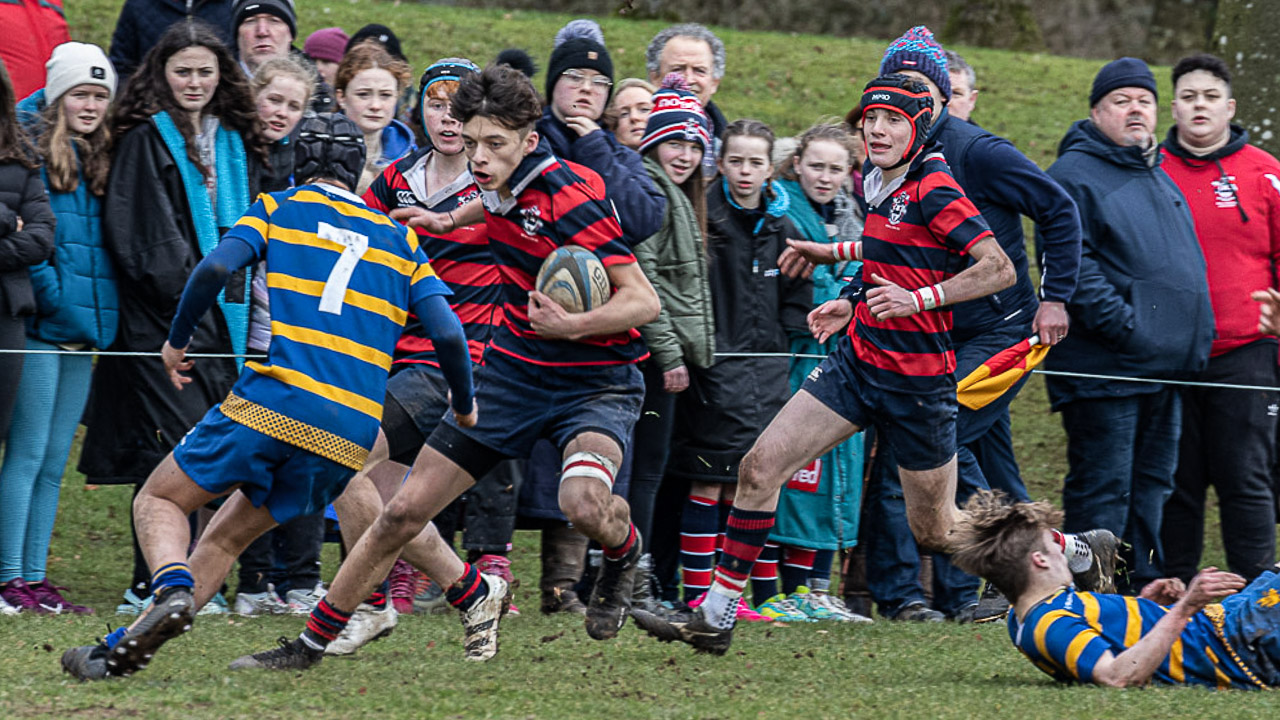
126,353
810,356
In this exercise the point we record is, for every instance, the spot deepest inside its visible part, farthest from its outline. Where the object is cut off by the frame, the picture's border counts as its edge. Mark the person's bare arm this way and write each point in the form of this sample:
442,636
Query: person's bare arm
440,223
633,304
991,272
1136,665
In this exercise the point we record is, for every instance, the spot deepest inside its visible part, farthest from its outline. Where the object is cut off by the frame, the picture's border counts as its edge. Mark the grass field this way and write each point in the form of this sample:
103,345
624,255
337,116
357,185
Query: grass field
548,668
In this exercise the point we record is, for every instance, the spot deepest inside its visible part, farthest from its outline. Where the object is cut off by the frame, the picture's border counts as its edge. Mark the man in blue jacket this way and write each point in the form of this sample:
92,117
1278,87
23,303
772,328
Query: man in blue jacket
1140,309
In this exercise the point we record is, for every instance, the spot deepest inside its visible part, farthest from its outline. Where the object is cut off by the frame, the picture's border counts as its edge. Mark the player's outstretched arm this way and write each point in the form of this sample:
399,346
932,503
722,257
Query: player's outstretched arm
633,304
445,331
201,292
1136,665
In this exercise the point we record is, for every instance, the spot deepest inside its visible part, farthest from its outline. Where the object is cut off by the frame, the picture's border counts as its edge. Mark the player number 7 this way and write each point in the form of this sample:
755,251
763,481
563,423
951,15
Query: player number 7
335,287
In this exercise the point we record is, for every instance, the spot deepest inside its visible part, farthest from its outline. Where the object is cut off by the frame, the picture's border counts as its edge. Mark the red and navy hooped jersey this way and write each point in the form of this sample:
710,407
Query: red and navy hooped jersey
918,235
553,203
460,257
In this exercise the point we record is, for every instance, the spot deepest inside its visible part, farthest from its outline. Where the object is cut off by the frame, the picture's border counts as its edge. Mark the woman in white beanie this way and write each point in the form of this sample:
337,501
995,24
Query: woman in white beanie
76,309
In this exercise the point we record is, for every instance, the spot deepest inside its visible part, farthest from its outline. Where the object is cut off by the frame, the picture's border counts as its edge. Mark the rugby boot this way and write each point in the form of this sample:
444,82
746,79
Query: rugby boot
290,655
1101,575
687,626
168,617
611,595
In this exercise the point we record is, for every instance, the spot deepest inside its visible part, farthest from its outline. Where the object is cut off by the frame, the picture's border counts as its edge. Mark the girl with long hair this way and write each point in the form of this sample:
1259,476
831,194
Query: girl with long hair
76,310
368,84
676,136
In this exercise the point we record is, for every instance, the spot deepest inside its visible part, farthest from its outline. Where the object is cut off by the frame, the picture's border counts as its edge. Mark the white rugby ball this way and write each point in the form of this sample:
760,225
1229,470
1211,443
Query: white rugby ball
574,278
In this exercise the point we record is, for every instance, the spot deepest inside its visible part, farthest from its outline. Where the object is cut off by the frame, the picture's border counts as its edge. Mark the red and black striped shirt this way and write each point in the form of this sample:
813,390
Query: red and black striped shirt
918,234
461,257
553,203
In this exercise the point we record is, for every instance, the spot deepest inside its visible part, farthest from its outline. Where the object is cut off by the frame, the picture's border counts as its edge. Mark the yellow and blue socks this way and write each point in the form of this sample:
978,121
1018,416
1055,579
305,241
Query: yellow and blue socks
173,575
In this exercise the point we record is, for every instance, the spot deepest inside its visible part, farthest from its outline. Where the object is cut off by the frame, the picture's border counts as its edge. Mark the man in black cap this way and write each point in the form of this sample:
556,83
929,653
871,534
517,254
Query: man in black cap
264,30
1140,309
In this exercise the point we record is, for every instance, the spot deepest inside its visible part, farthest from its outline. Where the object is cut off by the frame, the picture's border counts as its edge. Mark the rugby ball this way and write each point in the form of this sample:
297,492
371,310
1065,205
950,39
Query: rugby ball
574,278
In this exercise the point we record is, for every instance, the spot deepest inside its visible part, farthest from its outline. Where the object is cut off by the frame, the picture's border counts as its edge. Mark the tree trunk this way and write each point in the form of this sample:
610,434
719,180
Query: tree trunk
1244,37
1179,28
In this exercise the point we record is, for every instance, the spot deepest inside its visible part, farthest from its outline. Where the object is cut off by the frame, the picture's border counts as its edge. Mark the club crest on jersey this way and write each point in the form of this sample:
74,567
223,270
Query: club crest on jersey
1224,192
532,220
899,208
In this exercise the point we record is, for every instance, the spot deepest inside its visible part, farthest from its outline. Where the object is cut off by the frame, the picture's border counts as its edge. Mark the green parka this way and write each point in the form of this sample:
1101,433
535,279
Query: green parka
675,261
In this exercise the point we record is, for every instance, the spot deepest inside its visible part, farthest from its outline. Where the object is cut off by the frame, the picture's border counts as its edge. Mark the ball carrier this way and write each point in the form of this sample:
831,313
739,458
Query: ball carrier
548,372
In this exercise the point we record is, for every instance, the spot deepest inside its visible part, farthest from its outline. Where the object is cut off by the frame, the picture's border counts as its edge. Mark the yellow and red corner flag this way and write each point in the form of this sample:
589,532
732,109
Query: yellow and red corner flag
992,378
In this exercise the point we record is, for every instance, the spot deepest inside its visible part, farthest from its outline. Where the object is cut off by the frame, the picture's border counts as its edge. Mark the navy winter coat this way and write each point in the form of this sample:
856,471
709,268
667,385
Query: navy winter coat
1005,185
76,299
638,202
1141,305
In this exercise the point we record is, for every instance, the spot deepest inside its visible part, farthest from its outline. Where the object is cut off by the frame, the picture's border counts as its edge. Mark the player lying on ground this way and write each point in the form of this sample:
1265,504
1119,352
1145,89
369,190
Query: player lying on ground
895,368
294,429
570,377
1217,632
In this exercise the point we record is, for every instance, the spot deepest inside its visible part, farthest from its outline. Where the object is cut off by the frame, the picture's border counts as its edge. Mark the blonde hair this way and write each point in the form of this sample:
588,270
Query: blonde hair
66,155
829,129
283,67
995,538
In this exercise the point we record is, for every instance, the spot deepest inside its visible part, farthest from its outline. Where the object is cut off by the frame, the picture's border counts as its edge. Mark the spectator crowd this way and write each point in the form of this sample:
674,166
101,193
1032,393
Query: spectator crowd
121,169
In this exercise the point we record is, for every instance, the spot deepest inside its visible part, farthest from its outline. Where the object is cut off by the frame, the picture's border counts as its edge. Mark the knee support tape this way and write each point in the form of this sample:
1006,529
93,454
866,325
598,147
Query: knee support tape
589,464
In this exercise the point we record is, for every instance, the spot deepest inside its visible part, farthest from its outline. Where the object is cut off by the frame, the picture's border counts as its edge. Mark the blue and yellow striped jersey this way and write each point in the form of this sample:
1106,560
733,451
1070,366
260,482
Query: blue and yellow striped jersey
340,278
1066,634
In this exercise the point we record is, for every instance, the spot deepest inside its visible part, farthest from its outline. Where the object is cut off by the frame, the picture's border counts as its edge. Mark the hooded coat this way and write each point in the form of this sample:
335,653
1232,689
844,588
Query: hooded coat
135,416
728,404
1235,192
1141,304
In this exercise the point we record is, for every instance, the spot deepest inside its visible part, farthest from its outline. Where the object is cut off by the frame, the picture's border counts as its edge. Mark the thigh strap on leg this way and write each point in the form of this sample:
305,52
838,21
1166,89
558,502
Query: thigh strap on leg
589,464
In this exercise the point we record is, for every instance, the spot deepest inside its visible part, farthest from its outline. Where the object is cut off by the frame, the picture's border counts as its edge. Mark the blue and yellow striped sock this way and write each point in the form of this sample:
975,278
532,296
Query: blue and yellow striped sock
173,575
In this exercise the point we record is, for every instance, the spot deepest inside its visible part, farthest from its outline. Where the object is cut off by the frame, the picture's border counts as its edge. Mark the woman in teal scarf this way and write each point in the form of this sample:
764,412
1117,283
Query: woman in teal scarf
818,508
186,131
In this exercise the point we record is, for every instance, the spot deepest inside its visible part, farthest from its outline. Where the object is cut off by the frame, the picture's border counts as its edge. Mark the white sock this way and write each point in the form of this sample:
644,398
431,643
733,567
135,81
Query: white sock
1079,555
720,608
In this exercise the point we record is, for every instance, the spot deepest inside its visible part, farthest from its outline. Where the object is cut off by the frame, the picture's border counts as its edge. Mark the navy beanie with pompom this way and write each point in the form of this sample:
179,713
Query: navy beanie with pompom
579,44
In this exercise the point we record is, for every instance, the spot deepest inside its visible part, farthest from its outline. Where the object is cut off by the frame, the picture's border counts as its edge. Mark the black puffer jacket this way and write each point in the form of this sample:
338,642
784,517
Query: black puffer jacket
22,195
135,416
728,404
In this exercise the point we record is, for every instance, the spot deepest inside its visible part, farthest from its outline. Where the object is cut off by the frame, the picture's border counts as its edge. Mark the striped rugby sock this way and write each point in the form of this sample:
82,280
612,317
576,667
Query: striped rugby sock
619,552
378,598
745,536
764,574
324,625
467,590
173,575
698,544
797,564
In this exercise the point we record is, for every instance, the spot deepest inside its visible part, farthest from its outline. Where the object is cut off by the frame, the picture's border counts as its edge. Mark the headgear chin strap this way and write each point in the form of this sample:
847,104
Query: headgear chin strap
900,94
329,145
